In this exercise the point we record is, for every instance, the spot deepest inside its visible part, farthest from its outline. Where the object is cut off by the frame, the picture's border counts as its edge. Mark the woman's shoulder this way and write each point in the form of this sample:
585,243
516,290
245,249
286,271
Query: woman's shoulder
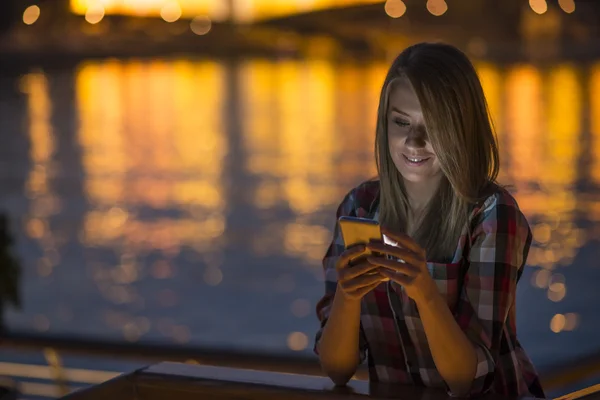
362,200
498,205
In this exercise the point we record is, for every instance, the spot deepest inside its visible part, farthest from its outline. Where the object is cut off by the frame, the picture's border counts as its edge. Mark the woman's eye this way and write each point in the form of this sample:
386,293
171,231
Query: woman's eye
400,122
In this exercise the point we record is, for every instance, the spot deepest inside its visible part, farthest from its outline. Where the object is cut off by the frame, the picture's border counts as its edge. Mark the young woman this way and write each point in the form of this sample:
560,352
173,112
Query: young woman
438,309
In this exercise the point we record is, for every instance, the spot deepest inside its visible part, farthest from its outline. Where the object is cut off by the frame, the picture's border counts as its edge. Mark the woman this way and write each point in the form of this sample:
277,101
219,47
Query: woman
438,309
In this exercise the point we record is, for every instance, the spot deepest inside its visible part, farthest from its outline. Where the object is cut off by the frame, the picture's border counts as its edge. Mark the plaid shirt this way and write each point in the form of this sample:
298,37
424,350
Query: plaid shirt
479,285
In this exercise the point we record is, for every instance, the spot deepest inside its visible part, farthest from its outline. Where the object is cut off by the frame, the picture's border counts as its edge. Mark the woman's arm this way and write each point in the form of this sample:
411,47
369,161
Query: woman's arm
338,347
453,353
340,343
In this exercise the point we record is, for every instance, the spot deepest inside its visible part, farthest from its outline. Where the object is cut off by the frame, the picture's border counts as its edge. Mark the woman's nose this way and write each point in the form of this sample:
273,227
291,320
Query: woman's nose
417,137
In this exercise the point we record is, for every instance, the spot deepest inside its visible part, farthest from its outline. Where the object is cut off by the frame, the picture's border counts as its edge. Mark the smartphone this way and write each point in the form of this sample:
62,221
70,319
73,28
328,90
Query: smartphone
359,231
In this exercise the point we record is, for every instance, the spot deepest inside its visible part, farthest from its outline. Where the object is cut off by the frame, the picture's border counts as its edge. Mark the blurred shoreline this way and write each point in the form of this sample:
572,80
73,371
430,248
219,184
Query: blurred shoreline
362,33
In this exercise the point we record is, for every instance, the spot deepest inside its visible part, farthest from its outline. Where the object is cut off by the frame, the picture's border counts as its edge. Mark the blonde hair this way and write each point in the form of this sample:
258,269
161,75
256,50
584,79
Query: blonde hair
461,133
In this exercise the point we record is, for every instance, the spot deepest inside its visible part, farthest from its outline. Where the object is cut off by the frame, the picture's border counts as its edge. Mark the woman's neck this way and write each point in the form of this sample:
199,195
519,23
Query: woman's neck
419,195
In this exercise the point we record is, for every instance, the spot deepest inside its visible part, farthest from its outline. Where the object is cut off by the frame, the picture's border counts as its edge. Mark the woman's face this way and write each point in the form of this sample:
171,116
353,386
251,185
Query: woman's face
409,145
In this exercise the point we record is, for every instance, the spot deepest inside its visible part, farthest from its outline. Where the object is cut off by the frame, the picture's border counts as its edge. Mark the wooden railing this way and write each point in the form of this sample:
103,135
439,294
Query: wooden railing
277,370
191,382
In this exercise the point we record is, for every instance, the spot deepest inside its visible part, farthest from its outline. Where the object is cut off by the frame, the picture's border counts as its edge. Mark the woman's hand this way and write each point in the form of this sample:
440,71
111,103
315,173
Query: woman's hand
357,276
412,274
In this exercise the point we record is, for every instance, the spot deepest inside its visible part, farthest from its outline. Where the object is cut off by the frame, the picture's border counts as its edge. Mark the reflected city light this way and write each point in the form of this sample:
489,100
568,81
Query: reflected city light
131,332
538,6
489,75
213,276
43,202
171,11
541,278
31,15
306,241
542,233
292,154
154,139
169,119
557,323
567,6
395,8
524,125
571,321
564,322
549,161
297,341
356,103
594,115
94,13
437,7
161,269
564,128
200,25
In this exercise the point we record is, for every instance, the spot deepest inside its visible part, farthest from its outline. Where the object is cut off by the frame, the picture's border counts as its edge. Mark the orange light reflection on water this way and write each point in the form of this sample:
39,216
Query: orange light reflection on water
152,136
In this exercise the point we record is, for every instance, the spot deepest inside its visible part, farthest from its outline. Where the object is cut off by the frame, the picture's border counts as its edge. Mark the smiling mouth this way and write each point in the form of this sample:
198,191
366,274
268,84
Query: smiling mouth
415,161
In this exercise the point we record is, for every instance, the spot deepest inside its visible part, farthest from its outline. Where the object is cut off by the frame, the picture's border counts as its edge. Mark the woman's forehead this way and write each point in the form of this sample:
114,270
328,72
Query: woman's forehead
403,97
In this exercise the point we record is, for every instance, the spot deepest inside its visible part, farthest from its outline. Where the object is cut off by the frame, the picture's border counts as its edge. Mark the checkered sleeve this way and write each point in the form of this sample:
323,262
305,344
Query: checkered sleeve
499,246
336,248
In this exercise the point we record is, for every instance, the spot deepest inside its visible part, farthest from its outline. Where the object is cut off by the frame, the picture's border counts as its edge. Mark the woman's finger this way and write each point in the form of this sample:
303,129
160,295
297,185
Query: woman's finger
361,281
350,254
361,292
405,268
399,278
403,254
354,271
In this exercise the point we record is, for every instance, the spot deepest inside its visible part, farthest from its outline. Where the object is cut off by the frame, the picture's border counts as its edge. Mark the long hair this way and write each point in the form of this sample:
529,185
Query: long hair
461,133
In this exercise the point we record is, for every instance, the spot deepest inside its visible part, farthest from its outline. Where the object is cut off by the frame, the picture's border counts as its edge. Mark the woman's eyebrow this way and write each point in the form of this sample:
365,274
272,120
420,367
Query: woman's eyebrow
400,111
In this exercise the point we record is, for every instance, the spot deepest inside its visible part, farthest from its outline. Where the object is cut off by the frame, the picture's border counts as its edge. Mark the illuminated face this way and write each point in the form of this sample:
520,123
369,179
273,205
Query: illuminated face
409,145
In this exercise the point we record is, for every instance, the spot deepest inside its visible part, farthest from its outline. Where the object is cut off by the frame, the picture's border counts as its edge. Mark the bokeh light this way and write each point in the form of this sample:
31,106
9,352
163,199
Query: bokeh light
541,278
201,25
171,11
94,14
538,6
567,6
557,288
437,7
542,232
395,8
31,15
297,341
213,276
571,321
557,323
